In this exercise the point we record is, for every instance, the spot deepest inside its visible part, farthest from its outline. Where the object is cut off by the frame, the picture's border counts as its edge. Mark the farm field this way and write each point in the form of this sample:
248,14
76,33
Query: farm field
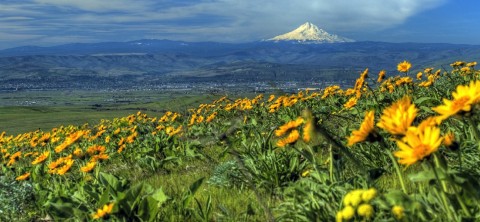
30,110
397,146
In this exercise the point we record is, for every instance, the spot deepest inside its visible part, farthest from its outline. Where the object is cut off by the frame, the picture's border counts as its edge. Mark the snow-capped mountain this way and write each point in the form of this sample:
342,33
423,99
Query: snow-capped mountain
310,33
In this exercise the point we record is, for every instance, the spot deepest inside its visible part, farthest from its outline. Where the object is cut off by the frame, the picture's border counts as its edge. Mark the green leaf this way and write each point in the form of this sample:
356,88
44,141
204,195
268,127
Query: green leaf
65,207
79,195
200,209
159,196
396,197
148,209
195,185
191,192
133,195
426,109
110,180
420,101
427,175
105,198
62,210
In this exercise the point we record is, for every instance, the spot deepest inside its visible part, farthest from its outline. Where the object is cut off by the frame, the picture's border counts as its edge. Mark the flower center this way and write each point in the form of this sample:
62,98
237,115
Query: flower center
421,151
459,104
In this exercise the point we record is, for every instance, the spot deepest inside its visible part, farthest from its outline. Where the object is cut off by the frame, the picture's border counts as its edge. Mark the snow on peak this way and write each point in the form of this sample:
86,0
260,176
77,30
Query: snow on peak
310,33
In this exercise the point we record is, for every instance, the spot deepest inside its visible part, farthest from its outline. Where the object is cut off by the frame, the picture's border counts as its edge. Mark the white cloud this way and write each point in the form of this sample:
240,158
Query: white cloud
98,5
5,36
331,14
256,19
200,20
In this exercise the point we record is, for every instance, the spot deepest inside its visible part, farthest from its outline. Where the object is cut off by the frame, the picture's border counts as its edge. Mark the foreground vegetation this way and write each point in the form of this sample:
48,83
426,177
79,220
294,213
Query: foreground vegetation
389,149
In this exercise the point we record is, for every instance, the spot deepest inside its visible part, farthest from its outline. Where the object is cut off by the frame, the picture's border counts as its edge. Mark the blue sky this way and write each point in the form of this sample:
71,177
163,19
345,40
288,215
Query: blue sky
53,22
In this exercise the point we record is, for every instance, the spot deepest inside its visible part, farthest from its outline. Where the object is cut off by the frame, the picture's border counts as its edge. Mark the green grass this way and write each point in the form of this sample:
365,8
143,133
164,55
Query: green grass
54,109
227,202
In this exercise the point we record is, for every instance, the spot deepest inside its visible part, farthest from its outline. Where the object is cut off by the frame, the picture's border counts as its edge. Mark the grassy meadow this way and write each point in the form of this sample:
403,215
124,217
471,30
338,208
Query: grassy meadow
397,146
26,111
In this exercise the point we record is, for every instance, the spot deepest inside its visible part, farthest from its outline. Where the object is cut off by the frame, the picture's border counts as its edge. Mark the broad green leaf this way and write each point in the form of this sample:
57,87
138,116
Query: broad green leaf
110,180
134,194
420,101
195,185
105,198
148,209
159,196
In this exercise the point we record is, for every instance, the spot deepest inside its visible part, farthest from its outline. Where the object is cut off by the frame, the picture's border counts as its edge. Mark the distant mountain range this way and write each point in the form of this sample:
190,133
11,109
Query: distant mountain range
285,58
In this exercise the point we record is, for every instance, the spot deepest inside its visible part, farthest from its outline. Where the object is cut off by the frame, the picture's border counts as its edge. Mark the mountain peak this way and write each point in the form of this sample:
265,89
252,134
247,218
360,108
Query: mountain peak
310,33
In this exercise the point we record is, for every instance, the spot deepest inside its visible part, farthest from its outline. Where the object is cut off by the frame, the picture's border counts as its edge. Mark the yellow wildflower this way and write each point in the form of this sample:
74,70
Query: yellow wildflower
88,167
339,216
418,145
308,131
14,157
211,117
398,212
101,156
72,138
200,119
403,80
390,87
173,131
369,194
353,198
121,148
350,103
96,149
306,173
121,142
365,210
398,117
41,158
34,142
104,211
465,69
471,64
349,92
291,138
457,64
271,98
381,75
366,128
348,212
428,70
448,139
67,165
463,98
419,75
131,138
23,177
282,130
192,119
404,66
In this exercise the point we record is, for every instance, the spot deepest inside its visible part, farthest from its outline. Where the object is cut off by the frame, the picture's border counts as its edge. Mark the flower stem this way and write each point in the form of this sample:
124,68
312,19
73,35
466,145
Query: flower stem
330,170
462,204
399,172
444,185
443,195
473,128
